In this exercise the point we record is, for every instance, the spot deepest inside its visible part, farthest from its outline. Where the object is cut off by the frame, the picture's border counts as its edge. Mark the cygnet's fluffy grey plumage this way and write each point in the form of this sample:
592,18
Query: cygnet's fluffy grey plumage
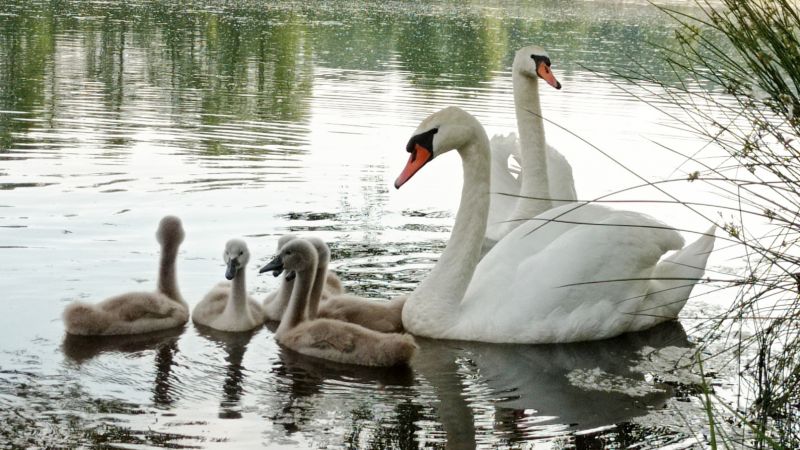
276,301
327,338
378,315
137,312
228,307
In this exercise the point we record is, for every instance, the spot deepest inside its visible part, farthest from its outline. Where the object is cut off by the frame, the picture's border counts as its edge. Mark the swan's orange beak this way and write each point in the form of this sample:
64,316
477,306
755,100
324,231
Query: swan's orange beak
546,74
419,157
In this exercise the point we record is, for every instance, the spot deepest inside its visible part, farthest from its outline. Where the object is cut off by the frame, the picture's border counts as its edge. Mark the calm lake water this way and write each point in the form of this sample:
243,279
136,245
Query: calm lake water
251,118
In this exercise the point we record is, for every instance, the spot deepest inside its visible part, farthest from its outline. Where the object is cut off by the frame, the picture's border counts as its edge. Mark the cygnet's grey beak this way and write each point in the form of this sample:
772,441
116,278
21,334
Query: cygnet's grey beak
230,271
276,266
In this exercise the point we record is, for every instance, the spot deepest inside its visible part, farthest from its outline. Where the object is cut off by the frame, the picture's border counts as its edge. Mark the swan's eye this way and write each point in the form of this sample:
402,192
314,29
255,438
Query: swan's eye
423,139
539,59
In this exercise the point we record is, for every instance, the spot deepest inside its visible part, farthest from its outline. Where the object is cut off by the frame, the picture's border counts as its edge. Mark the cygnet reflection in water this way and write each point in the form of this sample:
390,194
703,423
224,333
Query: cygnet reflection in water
234,345
300,378
82,349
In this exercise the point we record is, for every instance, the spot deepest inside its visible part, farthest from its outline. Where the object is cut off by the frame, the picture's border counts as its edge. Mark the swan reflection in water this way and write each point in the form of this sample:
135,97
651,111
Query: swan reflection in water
81,349
458,393
534,388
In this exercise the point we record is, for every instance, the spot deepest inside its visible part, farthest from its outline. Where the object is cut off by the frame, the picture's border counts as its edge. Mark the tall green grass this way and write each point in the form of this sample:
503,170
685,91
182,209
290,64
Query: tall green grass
736,82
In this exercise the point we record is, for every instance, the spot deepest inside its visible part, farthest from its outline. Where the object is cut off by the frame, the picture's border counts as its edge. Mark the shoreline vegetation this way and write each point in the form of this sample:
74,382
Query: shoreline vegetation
738,86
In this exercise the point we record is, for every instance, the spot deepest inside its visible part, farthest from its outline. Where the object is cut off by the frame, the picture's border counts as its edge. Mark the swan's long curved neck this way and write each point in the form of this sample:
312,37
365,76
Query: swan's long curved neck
167,282
433,307
295,312
533,147
316,291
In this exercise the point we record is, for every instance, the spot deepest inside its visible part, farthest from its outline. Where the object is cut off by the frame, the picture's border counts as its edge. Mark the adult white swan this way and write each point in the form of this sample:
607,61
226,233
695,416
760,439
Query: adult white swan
544,173
532,286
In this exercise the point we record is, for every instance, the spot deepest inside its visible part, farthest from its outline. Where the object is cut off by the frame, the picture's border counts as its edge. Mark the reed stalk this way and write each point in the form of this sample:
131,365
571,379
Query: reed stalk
736,82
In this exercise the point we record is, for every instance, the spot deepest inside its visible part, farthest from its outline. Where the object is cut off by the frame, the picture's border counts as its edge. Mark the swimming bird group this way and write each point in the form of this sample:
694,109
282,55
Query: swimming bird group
525,262
228,307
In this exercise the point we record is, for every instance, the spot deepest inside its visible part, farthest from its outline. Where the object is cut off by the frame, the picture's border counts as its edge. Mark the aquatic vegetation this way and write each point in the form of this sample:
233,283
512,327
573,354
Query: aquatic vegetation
740,90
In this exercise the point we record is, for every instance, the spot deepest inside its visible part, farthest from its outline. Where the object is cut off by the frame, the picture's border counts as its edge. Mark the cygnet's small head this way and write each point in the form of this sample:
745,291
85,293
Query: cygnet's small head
235,256
283,240
445,130
534,62
323,251
296,256
170,230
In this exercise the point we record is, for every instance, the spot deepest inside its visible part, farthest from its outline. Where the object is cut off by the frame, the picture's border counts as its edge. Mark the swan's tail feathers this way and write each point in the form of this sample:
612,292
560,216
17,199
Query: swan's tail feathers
85,320
504,147
560,180
505,164
672,282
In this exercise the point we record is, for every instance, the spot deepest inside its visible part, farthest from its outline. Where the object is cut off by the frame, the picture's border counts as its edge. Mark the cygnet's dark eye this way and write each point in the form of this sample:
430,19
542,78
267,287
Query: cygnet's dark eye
241,253
288,252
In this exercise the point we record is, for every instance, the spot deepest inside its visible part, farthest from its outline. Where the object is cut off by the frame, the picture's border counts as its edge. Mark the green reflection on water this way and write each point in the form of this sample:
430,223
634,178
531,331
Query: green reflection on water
255,61
27,48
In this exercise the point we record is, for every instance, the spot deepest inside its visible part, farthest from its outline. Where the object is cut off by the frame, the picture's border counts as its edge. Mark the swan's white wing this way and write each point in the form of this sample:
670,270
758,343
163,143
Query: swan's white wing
505,179
531,287
559,177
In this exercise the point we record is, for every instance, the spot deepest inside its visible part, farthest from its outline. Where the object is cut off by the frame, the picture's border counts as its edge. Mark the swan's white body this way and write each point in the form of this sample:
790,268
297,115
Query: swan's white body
543,174
228,307
506,185
276,301
137,312
528,288
327,338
